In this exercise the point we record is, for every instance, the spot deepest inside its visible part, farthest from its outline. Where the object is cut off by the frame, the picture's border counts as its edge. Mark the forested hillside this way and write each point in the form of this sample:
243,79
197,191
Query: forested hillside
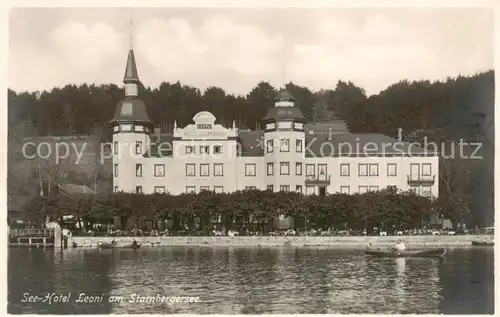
458,108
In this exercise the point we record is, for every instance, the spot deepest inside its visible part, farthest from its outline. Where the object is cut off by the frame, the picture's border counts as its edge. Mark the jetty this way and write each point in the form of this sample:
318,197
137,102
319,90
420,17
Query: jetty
32,238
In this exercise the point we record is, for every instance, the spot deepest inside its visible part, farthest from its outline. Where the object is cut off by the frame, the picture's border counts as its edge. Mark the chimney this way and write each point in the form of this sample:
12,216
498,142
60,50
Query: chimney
329,134
400,134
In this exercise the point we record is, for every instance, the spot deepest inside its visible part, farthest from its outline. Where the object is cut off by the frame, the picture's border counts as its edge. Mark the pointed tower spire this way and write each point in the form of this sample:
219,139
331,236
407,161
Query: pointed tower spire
131,75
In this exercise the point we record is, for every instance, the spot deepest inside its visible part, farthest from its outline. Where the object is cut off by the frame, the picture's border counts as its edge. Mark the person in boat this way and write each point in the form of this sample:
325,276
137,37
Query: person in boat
134,243
113,242
400,246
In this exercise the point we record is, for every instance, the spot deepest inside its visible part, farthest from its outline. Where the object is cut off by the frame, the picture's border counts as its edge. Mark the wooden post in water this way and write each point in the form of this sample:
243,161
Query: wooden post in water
58,243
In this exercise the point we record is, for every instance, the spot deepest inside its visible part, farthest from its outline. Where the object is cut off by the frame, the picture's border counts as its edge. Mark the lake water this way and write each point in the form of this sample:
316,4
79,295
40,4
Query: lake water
251,281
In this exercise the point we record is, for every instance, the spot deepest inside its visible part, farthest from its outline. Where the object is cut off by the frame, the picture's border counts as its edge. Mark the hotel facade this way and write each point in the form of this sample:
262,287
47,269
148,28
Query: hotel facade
287,155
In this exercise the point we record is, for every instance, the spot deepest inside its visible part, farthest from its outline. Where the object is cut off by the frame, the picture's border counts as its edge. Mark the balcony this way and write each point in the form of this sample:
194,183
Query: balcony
421,180
321,180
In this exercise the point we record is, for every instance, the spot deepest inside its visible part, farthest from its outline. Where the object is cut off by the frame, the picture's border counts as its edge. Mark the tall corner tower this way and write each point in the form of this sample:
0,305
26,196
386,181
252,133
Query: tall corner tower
284,137
131,131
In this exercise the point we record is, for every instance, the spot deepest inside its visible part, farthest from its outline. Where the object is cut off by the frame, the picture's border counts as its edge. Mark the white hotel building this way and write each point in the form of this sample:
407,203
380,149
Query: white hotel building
288,155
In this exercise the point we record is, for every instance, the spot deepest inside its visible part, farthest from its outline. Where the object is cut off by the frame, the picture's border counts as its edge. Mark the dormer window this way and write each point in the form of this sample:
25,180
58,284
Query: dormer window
217,149
204,149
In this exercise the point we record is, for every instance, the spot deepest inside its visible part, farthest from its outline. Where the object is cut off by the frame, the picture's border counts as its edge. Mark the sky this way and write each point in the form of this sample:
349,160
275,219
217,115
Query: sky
235,48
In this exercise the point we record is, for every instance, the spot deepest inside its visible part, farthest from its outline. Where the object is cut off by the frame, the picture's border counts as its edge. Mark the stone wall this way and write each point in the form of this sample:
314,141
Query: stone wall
341,242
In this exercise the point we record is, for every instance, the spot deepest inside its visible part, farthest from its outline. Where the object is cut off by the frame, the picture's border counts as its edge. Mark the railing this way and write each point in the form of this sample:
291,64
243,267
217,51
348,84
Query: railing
318,180
32,232
421,179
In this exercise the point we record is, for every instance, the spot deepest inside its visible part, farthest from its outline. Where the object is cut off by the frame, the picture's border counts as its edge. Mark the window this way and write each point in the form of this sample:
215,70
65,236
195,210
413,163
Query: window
204,169
426,169
322,170
391,169
345,169
373,188
270,187
138,189
116,170
309,169
159,170
217,149
249,169
284,168
415,190
190,189
373,169
138,147
189,149
362,169
138,170
298,189
270,146
285,188
298,168
116,189
285,145
218,189
362,189
204,149
204,188
392,189
298,146
427,191
249,187
309,190
160,189
270,169
345,190
190,170
218,169
115,147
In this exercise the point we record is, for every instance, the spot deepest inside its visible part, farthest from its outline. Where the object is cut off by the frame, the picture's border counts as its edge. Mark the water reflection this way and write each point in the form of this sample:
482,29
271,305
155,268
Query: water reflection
253,280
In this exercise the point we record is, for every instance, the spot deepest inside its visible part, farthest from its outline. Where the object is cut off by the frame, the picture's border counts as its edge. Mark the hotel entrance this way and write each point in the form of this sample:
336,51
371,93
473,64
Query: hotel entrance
322,191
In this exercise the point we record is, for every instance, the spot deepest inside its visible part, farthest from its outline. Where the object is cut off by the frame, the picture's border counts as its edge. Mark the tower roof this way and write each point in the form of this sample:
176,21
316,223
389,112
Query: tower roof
131,75
131,110
284,114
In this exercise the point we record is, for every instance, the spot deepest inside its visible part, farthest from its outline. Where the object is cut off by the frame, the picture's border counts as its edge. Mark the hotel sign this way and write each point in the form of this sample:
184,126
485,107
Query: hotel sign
205,134
204,127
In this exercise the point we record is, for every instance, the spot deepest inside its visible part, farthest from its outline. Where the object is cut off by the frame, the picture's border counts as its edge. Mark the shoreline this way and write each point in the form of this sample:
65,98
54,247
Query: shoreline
344,242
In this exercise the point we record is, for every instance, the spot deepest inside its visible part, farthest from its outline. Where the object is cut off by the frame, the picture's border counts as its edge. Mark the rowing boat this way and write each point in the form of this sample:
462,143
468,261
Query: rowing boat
407,253
106,245
483,243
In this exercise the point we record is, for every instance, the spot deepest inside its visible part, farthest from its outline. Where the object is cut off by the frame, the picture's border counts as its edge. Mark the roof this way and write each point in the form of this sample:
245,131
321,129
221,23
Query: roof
131,75
131,110
73,189
357,144
161,145
319,145
284,113
335,126
252,143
